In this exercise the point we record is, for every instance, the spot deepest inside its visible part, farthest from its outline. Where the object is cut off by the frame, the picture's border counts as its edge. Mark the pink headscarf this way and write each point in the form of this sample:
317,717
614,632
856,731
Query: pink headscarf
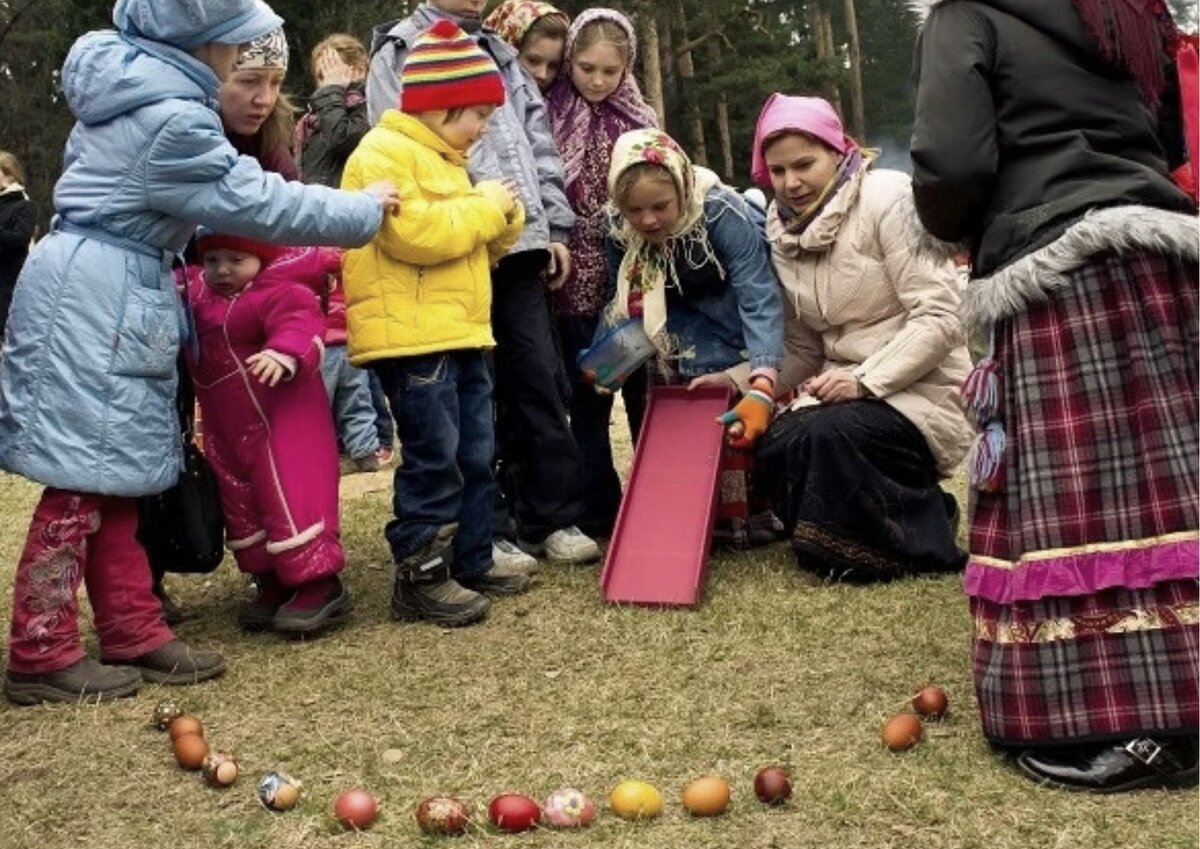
812,116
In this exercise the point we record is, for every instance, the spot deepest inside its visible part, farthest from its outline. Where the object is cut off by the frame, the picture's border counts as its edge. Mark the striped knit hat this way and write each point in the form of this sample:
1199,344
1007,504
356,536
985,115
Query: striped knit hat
447,70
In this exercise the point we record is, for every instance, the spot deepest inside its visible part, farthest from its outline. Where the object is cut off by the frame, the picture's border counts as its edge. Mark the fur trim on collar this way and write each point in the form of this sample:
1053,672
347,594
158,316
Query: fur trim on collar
1032,278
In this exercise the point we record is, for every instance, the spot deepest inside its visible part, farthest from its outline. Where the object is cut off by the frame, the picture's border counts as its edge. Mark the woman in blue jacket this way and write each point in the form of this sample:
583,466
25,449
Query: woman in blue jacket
87,372
688,255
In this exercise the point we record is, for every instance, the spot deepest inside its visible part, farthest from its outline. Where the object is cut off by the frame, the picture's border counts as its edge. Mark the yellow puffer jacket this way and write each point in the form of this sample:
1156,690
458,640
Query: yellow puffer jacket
423,283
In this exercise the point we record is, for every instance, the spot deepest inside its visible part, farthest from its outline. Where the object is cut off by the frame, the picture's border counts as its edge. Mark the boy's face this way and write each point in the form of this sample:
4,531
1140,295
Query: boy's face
462,131
227,272
461,8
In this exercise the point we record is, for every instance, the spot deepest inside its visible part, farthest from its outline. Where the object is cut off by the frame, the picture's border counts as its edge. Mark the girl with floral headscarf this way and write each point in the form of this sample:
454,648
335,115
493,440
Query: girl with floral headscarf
594,100
538,32
687,254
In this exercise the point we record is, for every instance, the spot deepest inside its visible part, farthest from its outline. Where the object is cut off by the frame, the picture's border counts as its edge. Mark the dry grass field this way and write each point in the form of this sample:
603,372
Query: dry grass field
558,689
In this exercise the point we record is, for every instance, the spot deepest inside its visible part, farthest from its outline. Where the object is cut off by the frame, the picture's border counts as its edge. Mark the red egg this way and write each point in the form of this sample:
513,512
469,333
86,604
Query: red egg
443,815
902,731
772,785
514,812
355,808
930,702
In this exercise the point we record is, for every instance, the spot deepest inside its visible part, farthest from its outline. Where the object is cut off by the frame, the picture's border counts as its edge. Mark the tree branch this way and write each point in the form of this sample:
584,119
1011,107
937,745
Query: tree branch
692,44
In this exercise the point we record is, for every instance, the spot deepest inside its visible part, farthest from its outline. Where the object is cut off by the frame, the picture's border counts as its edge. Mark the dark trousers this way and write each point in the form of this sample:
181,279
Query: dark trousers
443,405
590,416
540,463
385,429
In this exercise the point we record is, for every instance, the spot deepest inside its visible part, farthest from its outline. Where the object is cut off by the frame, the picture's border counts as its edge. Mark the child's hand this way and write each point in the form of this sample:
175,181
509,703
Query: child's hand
500,193
385,192
750,417
331,69
266,368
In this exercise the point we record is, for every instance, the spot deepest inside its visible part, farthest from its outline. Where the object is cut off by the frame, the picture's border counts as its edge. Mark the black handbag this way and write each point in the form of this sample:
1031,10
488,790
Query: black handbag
183,529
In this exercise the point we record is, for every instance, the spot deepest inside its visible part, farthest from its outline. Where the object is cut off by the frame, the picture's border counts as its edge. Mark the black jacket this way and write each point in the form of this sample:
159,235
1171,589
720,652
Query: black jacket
17,216
1022,126
335,123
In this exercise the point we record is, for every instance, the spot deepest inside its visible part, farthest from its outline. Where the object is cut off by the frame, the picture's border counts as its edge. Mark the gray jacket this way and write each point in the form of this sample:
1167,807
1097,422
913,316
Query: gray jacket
518,145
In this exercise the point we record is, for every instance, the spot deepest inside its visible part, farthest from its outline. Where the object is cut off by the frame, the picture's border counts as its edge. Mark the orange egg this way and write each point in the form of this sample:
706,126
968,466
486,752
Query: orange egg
190,750
707,796
902,731
186,724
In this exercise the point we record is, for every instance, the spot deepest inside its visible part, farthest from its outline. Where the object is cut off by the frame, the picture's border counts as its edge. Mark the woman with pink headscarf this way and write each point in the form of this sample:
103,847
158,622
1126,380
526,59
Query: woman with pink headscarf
875,354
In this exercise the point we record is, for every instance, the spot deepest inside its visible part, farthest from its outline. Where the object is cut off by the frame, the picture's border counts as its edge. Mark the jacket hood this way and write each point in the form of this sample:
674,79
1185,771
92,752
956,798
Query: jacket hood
1055,18
404,30
107,74
188,23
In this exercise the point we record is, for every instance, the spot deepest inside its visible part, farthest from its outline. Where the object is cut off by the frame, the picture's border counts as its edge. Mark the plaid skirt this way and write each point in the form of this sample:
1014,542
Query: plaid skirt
1083,569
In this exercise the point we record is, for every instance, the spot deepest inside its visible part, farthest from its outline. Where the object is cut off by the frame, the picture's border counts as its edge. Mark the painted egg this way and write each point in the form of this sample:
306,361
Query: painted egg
635,800
185,724
707,796
278,791
902,731
931,702
772,785
568,808
165,713
514,812
355,808
220,769
190,750
443,815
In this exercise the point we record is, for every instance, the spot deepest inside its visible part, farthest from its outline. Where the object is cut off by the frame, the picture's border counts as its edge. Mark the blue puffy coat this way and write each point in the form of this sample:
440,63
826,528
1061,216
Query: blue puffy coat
87,371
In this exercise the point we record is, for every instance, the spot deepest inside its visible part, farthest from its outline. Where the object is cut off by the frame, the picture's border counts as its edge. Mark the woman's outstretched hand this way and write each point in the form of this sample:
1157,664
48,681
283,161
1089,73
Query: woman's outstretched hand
832,386
385,192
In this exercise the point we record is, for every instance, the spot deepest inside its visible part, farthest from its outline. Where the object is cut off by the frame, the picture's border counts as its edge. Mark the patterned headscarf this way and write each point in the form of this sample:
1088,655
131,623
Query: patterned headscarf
647,268
513,18
268,53
581,128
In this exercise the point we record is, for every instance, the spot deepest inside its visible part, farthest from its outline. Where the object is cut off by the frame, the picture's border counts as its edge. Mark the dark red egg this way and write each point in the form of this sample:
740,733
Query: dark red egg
773,785
931,702
514,812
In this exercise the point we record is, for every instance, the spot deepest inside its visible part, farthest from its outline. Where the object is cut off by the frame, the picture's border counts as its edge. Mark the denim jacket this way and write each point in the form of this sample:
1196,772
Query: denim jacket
727,312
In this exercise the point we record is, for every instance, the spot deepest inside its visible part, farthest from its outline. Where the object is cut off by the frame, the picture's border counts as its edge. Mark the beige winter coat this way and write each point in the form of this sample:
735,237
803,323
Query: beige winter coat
856,297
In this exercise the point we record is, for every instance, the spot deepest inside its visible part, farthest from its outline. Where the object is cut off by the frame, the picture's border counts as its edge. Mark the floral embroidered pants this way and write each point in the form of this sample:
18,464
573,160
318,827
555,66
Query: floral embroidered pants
76,537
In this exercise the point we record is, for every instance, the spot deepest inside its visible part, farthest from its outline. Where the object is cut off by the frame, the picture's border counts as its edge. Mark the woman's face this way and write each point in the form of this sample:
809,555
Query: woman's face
800,167
651,206
542,56
597,71
247,99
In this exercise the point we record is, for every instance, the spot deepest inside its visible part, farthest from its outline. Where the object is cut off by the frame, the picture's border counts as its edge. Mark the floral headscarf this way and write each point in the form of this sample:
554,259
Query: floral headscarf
647,268
513,18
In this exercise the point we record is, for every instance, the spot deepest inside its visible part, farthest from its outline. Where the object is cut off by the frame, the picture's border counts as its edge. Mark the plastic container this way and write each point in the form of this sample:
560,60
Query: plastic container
616,354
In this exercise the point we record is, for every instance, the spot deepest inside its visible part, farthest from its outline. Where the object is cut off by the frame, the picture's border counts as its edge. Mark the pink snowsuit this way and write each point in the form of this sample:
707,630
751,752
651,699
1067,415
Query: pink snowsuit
273,448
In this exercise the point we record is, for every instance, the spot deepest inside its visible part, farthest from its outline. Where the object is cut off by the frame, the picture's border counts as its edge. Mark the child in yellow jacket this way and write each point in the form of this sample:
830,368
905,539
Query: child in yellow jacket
418,306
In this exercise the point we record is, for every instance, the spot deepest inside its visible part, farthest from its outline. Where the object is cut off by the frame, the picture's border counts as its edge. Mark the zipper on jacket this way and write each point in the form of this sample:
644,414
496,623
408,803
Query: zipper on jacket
420,283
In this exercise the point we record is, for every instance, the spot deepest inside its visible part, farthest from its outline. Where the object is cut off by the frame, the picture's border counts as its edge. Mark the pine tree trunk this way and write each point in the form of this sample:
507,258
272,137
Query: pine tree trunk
859,121
652,77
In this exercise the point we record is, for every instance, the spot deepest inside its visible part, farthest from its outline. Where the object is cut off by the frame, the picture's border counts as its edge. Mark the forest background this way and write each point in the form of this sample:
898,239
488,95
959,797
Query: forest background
707,65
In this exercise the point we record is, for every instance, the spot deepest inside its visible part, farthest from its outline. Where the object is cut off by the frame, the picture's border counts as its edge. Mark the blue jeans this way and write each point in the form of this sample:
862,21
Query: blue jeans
443,406
383,412
350,395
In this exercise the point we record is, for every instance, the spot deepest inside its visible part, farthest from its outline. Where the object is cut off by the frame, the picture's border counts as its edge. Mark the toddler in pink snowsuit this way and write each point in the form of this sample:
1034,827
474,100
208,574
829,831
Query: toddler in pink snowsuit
256,368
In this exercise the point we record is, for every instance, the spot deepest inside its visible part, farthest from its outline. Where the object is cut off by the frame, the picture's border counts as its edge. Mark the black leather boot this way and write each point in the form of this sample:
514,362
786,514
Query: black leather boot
1115,767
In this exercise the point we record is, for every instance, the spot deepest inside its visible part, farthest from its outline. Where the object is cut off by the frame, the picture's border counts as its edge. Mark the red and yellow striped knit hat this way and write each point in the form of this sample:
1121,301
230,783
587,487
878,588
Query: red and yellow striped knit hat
447,70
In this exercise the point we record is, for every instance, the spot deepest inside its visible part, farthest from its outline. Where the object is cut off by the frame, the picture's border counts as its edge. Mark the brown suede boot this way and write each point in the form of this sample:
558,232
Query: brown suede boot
85,680
178,663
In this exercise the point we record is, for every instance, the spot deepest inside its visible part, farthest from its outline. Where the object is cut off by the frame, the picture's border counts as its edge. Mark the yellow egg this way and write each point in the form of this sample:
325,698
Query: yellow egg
635,800
707,796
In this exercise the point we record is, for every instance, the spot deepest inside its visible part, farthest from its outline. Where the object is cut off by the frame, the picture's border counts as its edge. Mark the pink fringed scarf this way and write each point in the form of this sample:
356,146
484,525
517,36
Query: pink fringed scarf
1133,34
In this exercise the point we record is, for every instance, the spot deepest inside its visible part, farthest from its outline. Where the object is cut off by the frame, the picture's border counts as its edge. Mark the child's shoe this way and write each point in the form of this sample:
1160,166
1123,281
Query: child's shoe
85,680
176,662
258,614
505,553
566,545
424,589
316,605
501,579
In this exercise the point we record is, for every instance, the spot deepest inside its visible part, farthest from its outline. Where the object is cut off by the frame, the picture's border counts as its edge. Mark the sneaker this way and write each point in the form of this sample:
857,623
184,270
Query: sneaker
568,545
315,606
501,579
505,553
258,614
85,680
176,662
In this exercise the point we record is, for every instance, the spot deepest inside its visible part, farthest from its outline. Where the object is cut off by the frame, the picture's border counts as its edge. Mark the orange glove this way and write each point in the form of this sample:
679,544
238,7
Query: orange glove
749,418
